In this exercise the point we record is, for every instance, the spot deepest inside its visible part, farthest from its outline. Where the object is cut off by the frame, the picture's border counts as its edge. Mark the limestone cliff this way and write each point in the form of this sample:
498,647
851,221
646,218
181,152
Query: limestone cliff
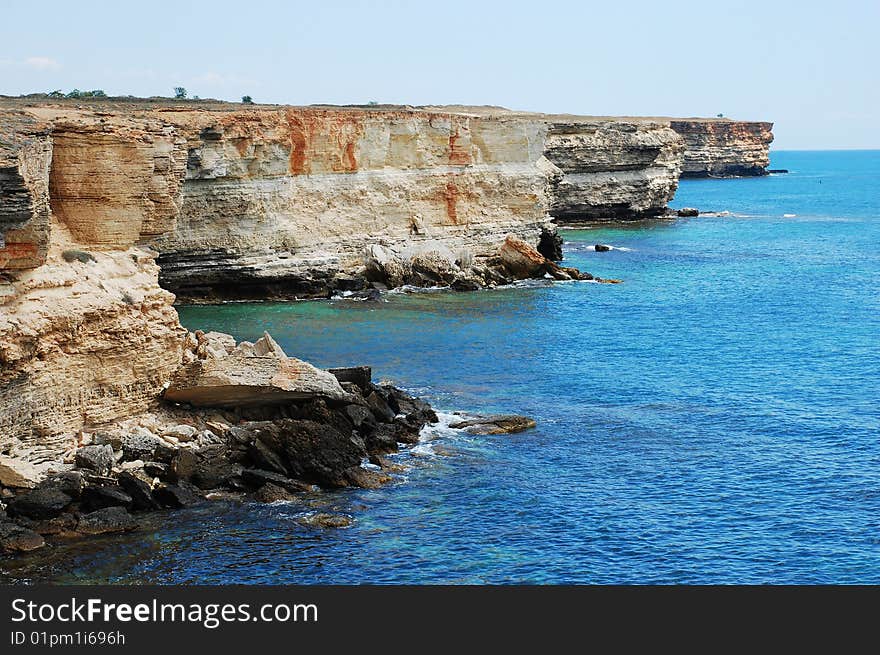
25,155
86,334
284,201
611,169
724,148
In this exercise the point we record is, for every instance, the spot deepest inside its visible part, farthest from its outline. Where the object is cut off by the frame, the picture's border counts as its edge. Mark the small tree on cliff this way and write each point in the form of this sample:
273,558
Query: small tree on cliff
179,93
247,100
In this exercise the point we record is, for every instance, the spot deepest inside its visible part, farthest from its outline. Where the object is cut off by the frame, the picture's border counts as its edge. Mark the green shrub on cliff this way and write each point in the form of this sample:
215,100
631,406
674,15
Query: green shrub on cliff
179,93
76,93
247,100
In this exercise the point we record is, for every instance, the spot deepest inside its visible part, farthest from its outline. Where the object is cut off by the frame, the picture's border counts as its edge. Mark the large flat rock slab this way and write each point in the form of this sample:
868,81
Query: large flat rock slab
249,376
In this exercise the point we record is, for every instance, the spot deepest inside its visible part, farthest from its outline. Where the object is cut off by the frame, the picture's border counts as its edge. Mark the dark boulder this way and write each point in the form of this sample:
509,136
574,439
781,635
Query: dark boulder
550,244
39,504
361,418
688,212
265,458
145,446
140,489
379,406
311,451
177,496
213,466
256,478
69,482
99,459
359,375
95,498
109,519
182,465
383,439
156,469
601,247
410,406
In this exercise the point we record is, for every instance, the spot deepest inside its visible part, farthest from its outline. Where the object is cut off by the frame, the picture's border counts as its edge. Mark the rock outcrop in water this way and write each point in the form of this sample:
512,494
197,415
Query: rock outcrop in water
179,456
724,148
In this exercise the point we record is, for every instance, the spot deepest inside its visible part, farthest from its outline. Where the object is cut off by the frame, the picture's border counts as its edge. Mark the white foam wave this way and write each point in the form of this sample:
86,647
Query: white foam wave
439,429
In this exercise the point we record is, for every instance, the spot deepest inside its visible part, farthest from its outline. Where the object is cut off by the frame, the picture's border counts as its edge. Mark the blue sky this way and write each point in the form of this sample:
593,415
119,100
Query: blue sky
813,68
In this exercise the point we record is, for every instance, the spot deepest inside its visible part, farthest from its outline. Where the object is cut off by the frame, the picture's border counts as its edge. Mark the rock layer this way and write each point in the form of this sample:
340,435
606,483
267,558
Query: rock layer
724,148
25,157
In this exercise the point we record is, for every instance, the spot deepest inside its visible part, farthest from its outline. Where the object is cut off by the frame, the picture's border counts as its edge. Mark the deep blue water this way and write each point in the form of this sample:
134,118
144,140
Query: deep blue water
713,419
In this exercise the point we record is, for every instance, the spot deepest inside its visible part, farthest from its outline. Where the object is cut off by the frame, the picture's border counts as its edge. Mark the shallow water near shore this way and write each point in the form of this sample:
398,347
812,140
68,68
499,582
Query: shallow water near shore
713,419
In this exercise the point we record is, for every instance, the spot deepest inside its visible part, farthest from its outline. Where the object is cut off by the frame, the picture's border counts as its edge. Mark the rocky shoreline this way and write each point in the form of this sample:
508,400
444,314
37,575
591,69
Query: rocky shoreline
255,440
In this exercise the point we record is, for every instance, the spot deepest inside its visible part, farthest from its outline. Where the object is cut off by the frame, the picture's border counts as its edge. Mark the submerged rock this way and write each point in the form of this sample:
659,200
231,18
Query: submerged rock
271,493
601,247
15,538
326,520
497,424
361,477
688,212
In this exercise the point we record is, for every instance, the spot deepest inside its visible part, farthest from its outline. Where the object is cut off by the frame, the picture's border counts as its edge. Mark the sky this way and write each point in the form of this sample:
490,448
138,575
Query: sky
812,68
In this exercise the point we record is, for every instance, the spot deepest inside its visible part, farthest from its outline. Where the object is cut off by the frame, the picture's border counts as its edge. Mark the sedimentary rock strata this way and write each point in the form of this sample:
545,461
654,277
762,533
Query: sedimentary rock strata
724,148
82,343
25,156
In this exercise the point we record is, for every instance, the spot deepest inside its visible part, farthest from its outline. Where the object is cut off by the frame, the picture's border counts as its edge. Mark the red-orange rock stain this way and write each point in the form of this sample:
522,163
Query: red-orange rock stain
348,159
458,156
298,144
323,140
450,196
242,146
14,251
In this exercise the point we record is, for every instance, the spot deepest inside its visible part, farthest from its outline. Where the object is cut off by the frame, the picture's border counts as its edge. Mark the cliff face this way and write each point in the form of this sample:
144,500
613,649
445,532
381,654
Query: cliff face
284,202
25,155
86,334
262,202
722,148
612,169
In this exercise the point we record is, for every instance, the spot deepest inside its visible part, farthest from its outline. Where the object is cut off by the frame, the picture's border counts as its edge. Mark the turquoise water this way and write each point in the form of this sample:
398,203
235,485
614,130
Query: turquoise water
713,419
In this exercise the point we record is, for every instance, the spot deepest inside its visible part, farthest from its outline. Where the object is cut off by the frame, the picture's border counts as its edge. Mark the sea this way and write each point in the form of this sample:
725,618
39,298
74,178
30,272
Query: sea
714,418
